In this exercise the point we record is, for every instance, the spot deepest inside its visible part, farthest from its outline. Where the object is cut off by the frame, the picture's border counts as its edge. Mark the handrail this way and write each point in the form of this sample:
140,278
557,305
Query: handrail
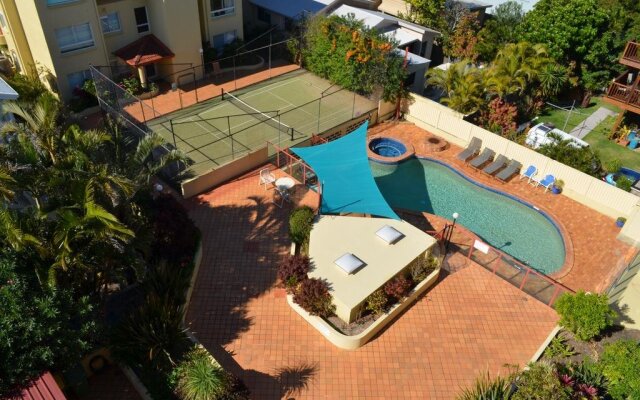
624,93
631,51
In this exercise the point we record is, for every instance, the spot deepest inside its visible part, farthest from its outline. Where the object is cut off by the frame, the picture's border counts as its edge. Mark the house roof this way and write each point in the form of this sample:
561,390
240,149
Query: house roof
473,5
292,8
43,388
146,50
380,20
6,91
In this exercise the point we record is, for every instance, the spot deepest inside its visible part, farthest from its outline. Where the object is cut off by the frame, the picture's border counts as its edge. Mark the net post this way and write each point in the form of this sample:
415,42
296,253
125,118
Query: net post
173,134
233,155
180,97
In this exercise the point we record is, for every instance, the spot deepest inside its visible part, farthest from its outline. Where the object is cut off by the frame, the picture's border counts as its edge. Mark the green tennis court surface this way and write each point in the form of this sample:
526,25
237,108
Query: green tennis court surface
283,111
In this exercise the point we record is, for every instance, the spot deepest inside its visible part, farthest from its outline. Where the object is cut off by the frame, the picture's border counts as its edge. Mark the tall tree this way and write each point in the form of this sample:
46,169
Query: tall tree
499,30
429,13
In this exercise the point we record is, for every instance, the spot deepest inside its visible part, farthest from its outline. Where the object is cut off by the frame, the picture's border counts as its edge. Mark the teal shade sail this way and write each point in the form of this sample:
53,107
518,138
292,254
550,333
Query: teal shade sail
342,167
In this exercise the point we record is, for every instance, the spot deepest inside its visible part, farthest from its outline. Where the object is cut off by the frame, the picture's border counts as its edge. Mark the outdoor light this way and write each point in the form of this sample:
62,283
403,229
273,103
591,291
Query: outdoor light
455,216
158,187
449,232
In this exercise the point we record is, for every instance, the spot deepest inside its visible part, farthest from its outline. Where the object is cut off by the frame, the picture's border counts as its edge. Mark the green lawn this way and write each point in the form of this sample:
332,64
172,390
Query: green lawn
559,117
610,150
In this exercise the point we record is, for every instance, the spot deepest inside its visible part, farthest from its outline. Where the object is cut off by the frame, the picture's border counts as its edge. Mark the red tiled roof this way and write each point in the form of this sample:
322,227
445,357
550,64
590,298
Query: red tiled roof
146,50
43,388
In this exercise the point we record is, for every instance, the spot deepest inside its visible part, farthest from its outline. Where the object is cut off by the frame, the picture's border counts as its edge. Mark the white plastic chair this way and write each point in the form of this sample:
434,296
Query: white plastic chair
267,178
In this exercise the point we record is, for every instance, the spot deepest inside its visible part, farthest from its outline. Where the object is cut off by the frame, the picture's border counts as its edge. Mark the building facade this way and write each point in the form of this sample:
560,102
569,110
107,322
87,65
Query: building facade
60,39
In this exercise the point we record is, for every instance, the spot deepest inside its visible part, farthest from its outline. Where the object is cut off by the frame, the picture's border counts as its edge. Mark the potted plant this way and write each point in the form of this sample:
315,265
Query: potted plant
620,221
557,186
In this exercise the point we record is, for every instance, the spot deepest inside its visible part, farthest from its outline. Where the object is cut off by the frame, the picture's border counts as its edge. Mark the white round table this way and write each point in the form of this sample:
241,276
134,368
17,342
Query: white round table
285,183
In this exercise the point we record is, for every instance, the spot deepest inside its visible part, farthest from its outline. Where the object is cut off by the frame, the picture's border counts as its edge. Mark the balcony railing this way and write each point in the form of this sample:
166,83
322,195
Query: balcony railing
625,94
632,52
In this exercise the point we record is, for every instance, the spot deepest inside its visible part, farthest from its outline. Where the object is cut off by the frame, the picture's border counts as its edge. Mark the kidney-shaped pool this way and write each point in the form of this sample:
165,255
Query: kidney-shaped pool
505,223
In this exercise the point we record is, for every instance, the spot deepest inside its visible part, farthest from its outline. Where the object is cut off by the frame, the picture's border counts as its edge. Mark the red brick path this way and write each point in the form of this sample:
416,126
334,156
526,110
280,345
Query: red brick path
470,322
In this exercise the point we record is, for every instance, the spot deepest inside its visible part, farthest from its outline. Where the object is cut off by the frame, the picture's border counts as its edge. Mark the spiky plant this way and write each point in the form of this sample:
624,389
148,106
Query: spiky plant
200,377
487,388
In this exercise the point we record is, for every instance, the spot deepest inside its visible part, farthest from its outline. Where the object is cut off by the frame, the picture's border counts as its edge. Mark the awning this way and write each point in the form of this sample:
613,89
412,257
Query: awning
343,169
146,50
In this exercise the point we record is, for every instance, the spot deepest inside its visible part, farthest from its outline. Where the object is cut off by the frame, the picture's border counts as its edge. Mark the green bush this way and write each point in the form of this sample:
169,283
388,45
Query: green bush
300,224
624,183
620,364
586,315
486,388
199,377
425,266
558,348
541,382
377,302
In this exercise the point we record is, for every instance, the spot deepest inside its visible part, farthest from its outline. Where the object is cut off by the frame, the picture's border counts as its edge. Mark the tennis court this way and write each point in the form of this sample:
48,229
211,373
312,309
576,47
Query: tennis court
284,111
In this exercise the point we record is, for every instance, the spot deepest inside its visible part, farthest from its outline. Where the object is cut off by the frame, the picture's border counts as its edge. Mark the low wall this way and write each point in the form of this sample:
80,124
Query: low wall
222,174
579,186
353,342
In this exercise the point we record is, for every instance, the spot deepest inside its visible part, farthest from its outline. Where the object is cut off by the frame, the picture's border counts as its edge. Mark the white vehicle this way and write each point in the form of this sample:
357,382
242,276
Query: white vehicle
539,135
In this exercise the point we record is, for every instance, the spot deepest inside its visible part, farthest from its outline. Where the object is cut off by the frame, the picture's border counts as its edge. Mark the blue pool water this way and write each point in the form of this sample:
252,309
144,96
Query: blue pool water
387,147
504,223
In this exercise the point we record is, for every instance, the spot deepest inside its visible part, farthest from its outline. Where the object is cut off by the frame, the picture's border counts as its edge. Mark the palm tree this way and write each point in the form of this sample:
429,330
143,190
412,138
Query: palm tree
6,184
553,78
516,67
462,86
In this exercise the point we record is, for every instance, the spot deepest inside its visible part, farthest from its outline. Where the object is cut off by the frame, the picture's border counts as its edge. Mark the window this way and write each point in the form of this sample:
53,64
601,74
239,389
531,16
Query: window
264,15
223,39
150,70
57,2
76,79
3,22
74,37
222,7
142,20
110,23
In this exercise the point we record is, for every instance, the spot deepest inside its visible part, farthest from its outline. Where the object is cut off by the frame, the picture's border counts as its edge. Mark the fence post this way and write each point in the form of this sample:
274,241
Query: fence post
319,111
142,110
495,263
270,55
195,83
230,136
235,82
180,96
353,110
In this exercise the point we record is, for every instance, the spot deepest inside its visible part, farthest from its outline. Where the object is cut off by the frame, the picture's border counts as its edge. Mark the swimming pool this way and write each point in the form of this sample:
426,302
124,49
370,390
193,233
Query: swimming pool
387,147
503,222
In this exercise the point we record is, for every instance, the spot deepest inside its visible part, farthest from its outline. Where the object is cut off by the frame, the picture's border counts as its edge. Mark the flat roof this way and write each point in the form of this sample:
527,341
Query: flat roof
333,236
292,8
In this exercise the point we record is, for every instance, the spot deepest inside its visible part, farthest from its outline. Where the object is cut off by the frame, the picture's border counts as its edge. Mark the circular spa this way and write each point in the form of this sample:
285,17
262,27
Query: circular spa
387,147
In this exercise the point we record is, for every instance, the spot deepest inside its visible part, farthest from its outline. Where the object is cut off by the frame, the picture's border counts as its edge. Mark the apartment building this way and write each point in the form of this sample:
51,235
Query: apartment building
155,38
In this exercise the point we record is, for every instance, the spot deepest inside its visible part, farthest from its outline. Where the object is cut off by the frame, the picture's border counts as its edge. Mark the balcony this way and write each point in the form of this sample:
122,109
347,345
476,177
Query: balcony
631,55
624,96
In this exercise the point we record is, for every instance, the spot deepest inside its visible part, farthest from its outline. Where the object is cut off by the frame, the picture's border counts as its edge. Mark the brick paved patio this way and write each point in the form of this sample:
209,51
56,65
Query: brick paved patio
470,322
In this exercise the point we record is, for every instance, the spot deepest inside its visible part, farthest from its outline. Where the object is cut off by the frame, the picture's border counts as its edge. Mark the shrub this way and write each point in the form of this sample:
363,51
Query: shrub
293,270
300,224
199,377
558,348
313,296
425,266
613,166
586,315
589,374
397,287
624,183
620,364
376,302
169,281
541,382
486,388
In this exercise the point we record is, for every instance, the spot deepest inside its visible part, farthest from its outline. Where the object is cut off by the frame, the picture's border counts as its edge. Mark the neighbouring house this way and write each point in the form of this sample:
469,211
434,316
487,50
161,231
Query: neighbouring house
42,388
417,39
6,93
155,38
399,7
624,91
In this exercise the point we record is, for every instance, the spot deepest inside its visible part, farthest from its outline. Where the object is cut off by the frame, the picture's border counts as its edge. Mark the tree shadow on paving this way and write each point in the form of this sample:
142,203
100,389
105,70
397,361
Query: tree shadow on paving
285,382
242,246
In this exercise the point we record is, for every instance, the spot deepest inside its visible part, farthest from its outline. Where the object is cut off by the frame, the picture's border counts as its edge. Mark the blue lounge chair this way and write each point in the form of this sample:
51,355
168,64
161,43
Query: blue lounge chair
547,182
529,173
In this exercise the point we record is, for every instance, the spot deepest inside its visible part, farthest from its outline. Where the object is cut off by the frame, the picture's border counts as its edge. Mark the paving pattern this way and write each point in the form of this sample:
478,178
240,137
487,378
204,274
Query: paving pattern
468,323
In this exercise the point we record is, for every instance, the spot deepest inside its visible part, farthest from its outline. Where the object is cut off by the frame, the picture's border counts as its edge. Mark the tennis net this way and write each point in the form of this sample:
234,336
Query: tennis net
284,128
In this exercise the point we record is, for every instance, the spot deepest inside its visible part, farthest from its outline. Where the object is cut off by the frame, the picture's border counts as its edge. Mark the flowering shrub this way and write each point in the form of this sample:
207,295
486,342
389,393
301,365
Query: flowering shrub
293,270
397,287
314,297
